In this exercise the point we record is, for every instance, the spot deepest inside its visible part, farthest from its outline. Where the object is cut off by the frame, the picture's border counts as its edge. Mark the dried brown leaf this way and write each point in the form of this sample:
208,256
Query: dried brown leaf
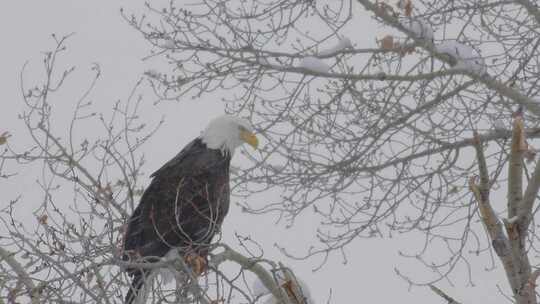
408,8
198,263
289,288
384,8
3,137
43,219
387,42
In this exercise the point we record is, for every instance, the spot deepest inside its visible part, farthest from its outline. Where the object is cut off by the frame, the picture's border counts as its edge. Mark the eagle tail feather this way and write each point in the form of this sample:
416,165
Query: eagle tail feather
137,286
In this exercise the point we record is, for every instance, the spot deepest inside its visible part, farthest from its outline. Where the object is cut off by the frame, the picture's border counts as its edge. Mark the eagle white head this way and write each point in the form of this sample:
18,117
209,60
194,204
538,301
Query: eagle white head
228,132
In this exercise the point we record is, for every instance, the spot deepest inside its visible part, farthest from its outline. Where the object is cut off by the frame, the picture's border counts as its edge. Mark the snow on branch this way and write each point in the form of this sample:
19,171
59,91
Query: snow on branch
465,56
499,125
169,44
343,44
420,27
314,64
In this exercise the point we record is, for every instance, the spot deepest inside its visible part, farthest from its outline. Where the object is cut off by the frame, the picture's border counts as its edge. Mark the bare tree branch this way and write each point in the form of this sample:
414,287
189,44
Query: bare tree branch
22,275
443,295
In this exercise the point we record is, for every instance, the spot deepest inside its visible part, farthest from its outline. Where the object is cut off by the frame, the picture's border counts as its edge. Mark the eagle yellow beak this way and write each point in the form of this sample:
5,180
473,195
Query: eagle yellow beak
249,138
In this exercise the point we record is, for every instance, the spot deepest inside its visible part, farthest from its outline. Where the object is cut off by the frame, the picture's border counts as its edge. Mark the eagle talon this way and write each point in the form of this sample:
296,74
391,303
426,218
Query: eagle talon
196,262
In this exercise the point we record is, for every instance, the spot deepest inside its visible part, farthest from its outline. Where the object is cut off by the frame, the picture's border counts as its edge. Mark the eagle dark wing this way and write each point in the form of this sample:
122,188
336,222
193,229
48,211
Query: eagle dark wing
183,207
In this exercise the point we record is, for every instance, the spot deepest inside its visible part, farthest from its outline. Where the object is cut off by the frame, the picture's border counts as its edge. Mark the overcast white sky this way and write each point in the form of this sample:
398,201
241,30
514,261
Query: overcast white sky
102,36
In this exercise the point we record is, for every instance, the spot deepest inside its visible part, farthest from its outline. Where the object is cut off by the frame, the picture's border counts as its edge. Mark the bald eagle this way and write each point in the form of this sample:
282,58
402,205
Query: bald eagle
185,204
